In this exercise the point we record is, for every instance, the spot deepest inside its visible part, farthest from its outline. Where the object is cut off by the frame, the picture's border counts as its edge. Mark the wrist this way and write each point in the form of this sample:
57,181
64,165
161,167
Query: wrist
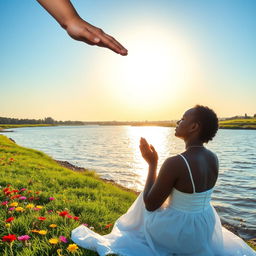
68,22
152,165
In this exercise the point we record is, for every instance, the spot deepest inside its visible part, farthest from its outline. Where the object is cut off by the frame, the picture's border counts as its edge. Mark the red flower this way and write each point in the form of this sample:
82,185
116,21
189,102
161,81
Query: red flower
108,226
9,238
42,218
5,189
15,196
15,191
69,216
31,198
76,218
11,159
9,219
4,203
63,214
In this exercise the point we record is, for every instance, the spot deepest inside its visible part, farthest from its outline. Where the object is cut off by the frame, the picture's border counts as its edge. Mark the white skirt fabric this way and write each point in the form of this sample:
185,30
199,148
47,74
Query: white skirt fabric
168,231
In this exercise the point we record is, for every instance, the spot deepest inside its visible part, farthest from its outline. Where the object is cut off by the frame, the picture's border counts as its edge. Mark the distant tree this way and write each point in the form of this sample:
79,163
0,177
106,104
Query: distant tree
49,120
254,116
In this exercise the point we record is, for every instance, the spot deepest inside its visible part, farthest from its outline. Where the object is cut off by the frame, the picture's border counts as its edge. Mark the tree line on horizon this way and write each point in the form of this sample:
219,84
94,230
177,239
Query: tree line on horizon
47,120
50,120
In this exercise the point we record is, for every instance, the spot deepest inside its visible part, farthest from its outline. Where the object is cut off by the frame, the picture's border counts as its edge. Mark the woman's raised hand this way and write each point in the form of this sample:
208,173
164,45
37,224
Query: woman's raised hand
148,152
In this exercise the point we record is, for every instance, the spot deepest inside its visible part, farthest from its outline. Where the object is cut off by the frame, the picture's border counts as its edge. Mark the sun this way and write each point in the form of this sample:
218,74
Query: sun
152,75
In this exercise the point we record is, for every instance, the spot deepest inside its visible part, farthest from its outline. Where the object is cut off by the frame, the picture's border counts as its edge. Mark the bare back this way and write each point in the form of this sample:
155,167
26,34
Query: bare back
204,170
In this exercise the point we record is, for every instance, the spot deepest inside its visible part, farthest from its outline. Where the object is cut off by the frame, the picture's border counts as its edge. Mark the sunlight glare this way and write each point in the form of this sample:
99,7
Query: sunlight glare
154,72
152,78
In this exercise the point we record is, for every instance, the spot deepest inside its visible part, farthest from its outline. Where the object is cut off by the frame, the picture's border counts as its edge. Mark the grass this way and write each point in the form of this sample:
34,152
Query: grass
248,123
82,194
8,126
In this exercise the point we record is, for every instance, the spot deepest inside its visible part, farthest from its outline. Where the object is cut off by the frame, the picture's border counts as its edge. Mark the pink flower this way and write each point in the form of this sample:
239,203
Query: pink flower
23,238
51,198
85,224
4,203
11,209
23,189
63,239
22,198
50,211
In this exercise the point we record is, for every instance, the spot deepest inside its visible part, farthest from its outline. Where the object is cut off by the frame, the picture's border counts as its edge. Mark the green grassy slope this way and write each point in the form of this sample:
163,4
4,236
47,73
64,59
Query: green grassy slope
7,126
82,194
238,123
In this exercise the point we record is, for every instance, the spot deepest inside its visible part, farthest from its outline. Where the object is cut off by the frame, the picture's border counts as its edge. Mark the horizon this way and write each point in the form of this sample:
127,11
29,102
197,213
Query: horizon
180,54
102,121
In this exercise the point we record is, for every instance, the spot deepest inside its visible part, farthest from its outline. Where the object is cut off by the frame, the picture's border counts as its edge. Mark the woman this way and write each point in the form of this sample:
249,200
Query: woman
173,215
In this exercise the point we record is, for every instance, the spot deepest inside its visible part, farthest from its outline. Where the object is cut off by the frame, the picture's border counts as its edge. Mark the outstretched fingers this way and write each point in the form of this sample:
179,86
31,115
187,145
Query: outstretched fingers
111,43
88,37
100,38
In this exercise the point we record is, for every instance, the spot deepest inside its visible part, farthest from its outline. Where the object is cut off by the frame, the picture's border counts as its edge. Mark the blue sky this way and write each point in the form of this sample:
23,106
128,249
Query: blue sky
43,72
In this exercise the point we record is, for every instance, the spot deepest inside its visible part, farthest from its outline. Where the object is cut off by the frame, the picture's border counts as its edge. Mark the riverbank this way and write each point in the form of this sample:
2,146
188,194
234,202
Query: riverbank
50,192
78,190
239,123
9,126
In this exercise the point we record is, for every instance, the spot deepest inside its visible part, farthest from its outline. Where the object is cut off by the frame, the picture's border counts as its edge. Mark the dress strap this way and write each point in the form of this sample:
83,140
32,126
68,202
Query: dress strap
190,174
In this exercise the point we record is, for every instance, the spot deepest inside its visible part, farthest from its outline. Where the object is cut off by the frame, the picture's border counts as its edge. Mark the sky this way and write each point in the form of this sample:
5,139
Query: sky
181,53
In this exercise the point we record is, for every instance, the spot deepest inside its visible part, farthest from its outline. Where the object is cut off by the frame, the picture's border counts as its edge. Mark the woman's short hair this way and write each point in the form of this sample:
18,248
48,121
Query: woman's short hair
208,121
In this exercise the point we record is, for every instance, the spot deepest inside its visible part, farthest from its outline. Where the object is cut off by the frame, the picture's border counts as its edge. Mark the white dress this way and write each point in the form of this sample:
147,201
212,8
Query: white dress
185,225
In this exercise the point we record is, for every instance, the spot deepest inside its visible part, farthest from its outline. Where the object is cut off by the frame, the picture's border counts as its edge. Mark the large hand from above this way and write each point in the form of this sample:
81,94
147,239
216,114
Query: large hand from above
81,30
65,14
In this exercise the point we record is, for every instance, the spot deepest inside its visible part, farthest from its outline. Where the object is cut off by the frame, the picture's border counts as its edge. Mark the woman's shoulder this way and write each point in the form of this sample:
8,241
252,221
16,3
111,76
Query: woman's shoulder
174,162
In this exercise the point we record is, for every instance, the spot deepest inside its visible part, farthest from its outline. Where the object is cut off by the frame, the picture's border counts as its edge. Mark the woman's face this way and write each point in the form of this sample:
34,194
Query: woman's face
185,124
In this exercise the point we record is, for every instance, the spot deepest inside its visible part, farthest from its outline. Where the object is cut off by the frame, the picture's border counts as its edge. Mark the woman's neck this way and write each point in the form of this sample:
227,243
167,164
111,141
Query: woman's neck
193,143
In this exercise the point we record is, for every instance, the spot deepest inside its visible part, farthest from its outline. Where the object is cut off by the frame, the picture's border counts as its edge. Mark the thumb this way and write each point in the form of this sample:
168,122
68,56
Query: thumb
153,149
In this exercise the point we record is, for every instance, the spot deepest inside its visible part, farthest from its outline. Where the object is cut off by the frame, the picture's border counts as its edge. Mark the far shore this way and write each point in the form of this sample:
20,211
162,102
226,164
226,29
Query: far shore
233,124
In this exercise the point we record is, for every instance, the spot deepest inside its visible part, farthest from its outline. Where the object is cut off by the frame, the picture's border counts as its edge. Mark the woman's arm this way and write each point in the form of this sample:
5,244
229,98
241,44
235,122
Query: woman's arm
157,188
151,157
66,15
